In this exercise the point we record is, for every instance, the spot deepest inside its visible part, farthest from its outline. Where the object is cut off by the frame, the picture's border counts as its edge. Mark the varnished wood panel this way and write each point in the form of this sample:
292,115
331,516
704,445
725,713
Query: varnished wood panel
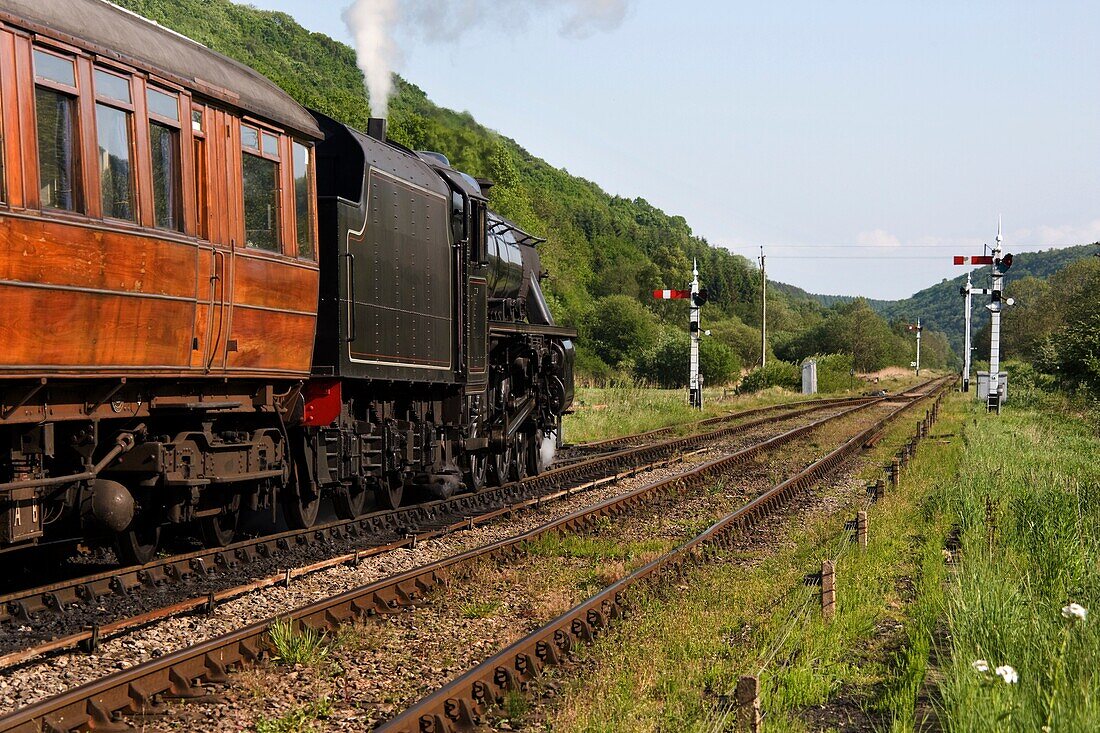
274,283
89,330
271,341
53,253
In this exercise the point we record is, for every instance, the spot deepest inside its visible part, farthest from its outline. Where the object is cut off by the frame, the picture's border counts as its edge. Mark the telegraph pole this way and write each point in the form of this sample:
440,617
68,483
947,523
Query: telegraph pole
763,310
695,388
966,292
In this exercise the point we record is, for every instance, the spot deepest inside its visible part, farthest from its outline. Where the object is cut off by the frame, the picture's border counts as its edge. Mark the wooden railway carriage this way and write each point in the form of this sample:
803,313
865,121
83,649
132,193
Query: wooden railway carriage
158,278
178,341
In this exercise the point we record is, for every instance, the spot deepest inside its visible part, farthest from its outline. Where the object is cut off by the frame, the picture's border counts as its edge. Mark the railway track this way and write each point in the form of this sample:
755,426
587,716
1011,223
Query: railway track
579,450
182,673
73,628
464,704
377,531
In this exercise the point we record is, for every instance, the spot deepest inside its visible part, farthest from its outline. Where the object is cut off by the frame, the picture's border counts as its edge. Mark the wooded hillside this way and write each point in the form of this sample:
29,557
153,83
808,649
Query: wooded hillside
605,252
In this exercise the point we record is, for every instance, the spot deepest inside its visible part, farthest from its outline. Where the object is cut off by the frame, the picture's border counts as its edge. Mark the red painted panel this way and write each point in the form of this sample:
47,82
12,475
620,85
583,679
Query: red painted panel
323,397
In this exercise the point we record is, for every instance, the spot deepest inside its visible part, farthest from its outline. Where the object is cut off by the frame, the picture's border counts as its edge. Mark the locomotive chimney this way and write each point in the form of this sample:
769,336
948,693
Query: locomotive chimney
376,128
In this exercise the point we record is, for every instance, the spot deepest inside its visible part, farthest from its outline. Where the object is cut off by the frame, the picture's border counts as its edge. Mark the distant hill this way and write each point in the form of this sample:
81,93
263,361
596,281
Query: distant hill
940,308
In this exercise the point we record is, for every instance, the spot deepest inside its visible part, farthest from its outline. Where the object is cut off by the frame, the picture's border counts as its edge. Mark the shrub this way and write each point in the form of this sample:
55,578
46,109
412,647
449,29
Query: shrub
774,374
619,328
666,363
591,369
834,372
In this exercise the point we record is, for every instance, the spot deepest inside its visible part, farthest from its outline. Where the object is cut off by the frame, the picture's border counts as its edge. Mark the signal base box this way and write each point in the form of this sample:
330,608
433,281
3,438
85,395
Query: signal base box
983,387
809,377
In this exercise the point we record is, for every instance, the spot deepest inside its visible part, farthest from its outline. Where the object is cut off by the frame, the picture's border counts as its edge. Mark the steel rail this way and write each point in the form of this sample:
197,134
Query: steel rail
396,527
141,689
464,703
92,636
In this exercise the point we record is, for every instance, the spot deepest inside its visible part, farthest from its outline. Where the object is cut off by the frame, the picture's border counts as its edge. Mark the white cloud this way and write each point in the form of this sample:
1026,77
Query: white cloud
878,238
1057,236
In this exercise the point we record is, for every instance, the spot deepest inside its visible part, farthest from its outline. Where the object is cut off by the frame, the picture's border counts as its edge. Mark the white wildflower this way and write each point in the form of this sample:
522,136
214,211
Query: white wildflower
980,665
1075,612
1008,674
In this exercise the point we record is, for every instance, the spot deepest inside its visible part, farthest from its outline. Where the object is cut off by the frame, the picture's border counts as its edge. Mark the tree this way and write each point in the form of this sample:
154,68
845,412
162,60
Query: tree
620,329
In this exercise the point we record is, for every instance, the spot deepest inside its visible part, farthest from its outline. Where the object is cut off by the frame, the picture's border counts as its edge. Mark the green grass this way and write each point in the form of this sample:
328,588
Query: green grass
479,609
608,412
295,644
675,663
591,547
298,720
1028,504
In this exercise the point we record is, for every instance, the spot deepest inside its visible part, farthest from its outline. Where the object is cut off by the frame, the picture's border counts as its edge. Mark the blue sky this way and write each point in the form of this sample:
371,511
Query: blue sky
863,143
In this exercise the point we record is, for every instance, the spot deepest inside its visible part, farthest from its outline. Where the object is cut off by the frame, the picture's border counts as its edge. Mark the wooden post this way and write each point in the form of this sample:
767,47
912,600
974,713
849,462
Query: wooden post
880,487
895,473
747,696
828,590
861,529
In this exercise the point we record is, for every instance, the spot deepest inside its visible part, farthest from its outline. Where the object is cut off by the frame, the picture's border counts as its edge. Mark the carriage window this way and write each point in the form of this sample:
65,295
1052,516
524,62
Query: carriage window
165,143
116,170
261,202
163,105
57,166
250,137
112,86
3,154
271,145
196,120
199,156
302,199
55,106
54,68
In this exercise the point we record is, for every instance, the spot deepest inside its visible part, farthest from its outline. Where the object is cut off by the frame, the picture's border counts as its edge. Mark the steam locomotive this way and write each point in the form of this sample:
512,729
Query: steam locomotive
215,300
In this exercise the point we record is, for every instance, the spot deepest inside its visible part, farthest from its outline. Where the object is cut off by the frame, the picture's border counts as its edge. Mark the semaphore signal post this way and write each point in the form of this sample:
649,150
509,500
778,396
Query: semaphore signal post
696,296
996,304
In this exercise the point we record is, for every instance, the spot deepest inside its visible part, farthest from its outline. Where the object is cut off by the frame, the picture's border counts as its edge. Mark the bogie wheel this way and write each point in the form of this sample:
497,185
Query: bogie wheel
138,544
390,491
218,530
349,501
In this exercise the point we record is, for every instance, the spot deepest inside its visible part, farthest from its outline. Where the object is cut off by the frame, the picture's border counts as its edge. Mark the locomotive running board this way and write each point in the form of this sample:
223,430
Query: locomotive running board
509,327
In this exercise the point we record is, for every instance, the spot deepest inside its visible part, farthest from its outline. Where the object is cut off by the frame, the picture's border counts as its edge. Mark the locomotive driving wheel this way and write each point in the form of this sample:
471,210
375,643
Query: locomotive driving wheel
517,457
535,464
497,465
476,474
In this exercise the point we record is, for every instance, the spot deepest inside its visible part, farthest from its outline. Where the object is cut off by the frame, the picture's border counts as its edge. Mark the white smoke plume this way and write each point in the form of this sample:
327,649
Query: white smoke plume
371,23
376,25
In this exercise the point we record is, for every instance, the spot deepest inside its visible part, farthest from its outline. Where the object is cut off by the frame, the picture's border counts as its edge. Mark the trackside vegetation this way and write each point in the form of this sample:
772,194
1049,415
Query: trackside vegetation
971,610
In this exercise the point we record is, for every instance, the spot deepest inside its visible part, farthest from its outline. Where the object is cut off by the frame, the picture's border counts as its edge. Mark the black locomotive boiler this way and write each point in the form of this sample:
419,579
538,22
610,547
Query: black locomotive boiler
437,362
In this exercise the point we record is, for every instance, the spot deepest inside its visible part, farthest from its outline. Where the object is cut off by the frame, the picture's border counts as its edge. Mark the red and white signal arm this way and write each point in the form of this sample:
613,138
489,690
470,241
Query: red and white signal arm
975,260
671,294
